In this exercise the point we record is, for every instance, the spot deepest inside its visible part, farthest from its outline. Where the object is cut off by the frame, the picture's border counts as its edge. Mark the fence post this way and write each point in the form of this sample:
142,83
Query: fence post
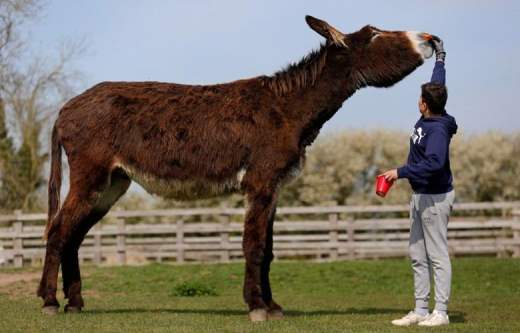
516,241
18,240
121,241
333,236
224,237
180,240
97,244
516,233
350,238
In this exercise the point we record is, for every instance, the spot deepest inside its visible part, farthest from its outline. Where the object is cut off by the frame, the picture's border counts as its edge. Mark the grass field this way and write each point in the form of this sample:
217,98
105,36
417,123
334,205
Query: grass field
360,296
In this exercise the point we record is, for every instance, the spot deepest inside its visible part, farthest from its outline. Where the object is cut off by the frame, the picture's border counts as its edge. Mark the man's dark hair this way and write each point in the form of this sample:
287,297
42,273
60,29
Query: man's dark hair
435,96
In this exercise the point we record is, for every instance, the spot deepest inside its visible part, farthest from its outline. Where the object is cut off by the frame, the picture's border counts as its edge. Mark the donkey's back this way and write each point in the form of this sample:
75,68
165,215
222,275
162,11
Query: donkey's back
181,141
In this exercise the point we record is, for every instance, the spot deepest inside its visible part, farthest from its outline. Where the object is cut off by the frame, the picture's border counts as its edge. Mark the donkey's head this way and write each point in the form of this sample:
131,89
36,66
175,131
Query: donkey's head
375,57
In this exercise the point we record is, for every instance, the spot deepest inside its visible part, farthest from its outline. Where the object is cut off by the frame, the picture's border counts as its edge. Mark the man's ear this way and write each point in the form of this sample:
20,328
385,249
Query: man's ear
326,30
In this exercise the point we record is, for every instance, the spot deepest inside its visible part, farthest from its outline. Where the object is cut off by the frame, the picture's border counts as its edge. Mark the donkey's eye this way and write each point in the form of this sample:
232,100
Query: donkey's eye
375,34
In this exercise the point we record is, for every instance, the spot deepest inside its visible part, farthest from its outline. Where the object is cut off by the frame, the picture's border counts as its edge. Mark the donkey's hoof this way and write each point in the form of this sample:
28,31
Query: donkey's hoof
258,315
72,309
275,314
50,310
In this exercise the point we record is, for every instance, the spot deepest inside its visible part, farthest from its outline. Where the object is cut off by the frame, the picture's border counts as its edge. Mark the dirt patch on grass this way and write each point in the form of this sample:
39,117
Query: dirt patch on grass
10,278
24,284
19,284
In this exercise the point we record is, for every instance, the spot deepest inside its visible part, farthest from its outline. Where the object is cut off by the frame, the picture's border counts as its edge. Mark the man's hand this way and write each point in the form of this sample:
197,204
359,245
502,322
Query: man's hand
438,45
390,175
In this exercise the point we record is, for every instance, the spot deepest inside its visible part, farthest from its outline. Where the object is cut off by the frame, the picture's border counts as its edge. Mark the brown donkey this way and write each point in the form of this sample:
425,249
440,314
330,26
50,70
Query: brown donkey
188,141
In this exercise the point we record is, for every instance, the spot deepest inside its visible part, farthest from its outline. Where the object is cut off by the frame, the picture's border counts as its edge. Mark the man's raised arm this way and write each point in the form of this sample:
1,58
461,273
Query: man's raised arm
439,72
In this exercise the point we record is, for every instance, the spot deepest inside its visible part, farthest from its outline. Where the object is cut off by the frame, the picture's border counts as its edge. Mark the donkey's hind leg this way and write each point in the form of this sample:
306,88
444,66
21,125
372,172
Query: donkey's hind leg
119,183
74,209
74,219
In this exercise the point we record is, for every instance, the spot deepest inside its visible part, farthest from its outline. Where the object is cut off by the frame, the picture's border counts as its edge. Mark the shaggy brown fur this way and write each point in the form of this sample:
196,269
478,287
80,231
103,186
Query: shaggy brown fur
187,141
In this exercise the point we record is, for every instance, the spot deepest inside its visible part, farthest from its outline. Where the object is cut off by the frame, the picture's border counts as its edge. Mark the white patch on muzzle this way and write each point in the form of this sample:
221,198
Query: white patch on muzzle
420,45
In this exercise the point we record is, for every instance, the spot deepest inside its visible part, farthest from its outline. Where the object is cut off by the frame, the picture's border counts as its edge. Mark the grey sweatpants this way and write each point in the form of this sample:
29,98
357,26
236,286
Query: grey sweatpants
429,214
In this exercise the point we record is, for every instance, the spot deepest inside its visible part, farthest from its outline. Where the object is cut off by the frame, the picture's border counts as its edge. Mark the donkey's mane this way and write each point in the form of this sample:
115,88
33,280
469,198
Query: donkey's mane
298,75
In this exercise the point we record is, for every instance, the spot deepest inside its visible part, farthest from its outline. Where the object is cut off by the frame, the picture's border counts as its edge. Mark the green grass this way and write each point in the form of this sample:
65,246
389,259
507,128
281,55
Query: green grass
360,296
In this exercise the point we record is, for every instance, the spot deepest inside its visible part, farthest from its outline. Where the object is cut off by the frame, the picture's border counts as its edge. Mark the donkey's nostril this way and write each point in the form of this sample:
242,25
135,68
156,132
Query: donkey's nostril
426,37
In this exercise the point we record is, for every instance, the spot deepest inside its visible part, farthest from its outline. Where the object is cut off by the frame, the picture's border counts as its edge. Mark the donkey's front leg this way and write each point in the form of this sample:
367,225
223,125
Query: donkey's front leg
274,310
261,205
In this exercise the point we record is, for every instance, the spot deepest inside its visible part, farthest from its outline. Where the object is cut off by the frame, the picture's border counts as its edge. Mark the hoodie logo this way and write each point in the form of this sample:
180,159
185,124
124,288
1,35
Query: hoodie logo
417,135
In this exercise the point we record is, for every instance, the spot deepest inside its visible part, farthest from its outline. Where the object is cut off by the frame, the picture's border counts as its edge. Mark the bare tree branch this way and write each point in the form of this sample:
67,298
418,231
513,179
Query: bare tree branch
30,93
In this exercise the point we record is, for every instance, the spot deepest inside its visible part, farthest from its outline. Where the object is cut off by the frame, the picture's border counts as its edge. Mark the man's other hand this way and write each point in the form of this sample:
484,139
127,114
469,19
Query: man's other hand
390,175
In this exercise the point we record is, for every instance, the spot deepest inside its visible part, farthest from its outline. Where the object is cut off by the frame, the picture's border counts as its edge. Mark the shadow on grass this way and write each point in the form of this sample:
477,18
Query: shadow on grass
455,316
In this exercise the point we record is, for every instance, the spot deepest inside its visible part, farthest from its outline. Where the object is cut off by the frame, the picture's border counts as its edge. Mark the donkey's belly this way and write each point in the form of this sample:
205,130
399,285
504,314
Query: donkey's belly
184,189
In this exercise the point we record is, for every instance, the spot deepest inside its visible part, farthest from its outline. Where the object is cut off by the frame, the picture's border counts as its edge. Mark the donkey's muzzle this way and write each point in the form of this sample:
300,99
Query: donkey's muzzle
422,43
427,37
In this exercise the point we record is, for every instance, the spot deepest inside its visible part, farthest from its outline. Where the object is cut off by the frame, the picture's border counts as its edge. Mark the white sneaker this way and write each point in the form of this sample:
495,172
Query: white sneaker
435,319
409,319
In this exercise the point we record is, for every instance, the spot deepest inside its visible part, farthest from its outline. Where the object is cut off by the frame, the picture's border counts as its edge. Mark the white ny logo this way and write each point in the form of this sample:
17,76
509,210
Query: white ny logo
417,135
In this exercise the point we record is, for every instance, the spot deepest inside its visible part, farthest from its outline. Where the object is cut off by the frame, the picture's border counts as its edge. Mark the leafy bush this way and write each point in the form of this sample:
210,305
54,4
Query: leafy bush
341,168
193,289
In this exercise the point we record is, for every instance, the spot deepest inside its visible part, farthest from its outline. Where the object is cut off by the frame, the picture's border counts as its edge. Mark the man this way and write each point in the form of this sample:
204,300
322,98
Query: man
428,171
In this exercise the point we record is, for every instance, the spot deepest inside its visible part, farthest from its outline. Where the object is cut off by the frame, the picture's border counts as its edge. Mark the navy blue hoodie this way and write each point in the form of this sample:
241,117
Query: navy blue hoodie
428,166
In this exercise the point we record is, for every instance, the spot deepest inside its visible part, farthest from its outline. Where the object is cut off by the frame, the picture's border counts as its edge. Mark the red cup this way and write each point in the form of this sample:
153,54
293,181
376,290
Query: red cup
382,186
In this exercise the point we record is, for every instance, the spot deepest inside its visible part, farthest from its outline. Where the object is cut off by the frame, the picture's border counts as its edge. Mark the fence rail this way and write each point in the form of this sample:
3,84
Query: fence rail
214,234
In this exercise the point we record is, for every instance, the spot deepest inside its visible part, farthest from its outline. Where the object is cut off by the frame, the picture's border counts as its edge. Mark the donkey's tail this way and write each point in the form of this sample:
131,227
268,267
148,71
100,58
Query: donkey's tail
54,181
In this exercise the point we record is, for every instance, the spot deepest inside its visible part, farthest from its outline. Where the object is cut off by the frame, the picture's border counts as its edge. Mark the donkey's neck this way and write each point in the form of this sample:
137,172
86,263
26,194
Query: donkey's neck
298,76
317,103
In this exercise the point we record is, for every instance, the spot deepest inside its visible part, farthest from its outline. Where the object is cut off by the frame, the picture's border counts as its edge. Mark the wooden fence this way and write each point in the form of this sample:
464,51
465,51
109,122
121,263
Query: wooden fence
214,235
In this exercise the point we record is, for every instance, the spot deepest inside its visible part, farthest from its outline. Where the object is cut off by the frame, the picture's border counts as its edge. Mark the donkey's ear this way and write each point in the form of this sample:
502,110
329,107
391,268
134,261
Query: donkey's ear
326,30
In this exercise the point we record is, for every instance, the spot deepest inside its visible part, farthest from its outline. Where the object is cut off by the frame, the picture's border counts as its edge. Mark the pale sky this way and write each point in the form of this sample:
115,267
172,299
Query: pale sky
211,41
